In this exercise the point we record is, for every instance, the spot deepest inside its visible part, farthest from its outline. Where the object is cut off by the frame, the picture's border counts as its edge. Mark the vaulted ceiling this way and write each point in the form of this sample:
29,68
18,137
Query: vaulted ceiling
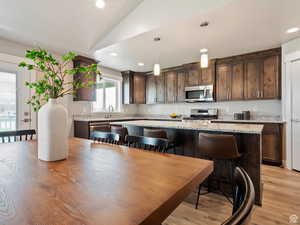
127,28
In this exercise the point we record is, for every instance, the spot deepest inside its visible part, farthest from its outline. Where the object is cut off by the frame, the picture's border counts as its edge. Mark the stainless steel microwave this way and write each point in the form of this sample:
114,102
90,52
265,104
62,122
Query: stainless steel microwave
202,93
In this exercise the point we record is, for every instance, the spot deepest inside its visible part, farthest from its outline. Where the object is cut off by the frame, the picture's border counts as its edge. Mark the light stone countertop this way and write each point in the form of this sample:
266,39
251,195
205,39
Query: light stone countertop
197,125
91,119
250,121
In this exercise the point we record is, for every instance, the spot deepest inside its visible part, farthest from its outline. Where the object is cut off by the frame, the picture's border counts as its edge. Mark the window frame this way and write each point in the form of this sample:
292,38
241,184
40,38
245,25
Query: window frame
118,82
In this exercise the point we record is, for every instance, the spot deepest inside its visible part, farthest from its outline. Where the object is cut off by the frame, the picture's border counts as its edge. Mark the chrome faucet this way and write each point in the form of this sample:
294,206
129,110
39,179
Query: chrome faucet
110,108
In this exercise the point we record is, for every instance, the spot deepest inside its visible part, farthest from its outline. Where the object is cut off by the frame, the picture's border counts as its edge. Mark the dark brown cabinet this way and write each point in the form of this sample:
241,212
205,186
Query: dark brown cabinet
252,79
160,88
223,82
252,76
272,143
237,82
271,79
193,74
139,87
133,88
181,76
155,89
249,77
150,89
171,86
84,94
207,75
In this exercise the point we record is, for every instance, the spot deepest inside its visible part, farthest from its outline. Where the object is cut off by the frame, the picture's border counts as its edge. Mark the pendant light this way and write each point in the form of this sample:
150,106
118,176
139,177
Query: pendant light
204,55
156,68
204,58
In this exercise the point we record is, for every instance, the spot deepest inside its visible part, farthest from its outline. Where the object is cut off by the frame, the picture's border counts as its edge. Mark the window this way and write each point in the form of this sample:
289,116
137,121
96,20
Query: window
8,106
107,95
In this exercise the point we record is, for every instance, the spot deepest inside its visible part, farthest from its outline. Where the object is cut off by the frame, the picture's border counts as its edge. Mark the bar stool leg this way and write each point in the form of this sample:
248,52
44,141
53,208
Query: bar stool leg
198,196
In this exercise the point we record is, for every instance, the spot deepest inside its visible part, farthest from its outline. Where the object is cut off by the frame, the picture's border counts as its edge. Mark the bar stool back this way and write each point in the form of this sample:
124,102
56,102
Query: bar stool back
155,133
219,147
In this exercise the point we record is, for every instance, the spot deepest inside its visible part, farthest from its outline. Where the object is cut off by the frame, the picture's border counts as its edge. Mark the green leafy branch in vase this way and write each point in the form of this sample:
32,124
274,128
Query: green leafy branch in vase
55,81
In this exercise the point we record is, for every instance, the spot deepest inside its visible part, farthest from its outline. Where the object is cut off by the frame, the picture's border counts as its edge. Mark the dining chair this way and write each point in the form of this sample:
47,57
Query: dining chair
105,137
148,143
122,131
243,199
17,135
159,133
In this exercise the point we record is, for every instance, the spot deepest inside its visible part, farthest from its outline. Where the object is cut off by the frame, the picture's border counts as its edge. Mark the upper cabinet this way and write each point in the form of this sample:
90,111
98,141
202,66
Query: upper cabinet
252,76
84,94
252,79
223,84
271,79
134,85
195,75
181,84
207,75
155,89
171,86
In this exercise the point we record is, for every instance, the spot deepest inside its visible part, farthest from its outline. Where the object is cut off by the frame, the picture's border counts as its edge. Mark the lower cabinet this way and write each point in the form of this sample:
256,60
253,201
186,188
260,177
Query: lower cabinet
272,142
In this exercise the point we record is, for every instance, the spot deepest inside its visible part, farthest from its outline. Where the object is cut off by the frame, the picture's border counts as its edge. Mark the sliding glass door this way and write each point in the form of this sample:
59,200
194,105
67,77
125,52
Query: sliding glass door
15,114
8,101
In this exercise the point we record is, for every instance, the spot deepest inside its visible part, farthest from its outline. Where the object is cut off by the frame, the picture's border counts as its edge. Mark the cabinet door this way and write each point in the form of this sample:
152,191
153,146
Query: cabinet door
150,89
270,78
193,75
86,93
208,74
127,87
180,86
160,88
171,86
139,86
223,82
252,79
271,143
237,82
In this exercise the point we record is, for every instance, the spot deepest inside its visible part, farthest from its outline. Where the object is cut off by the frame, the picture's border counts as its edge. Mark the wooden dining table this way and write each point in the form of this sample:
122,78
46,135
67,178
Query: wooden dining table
99,184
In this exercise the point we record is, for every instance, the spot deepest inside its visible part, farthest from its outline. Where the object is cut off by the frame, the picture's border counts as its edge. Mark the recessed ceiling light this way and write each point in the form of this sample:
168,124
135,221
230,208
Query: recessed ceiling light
113,54
203,50
100,4
141,64
292,30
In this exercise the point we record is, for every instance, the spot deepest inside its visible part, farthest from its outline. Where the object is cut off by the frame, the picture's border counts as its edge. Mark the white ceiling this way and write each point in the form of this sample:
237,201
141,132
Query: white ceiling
61,25
127,27
238,27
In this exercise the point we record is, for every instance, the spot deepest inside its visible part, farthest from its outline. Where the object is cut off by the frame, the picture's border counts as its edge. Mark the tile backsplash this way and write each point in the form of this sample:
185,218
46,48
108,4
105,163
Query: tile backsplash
259,109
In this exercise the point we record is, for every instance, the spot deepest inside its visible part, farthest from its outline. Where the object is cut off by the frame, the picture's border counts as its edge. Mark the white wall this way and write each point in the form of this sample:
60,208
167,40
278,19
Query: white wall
259,109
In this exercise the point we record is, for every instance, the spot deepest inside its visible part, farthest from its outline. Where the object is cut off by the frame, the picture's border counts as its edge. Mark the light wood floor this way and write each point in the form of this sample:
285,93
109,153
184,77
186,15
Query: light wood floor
281,199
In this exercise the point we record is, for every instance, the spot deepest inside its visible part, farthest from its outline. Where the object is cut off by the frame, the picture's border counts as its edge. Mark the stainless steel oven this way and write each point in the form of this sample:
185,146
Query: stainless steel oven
202,93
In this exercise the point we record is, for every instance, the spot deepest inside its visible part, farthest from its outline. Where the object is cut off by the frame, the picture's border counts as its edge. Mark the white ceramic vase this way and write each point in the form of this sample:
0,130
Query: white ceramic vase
52,132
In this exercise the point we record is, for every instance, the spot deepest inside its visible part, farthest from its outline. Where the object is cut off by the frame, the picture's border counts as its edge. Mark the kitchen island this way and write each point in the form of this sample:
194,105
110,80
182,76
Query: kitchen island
185,135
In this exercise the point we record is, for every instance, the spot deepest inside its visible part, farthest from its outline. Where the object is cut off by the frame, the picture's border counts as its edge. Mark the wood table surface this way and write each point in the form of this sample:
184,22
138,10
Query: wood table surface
99,184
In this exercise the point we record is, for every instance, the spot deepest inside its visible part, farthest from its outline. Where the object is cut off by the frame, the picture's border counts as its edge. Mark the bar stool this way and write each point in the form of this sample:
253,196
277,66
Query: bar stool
219,147
122,131
159,133
155,133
